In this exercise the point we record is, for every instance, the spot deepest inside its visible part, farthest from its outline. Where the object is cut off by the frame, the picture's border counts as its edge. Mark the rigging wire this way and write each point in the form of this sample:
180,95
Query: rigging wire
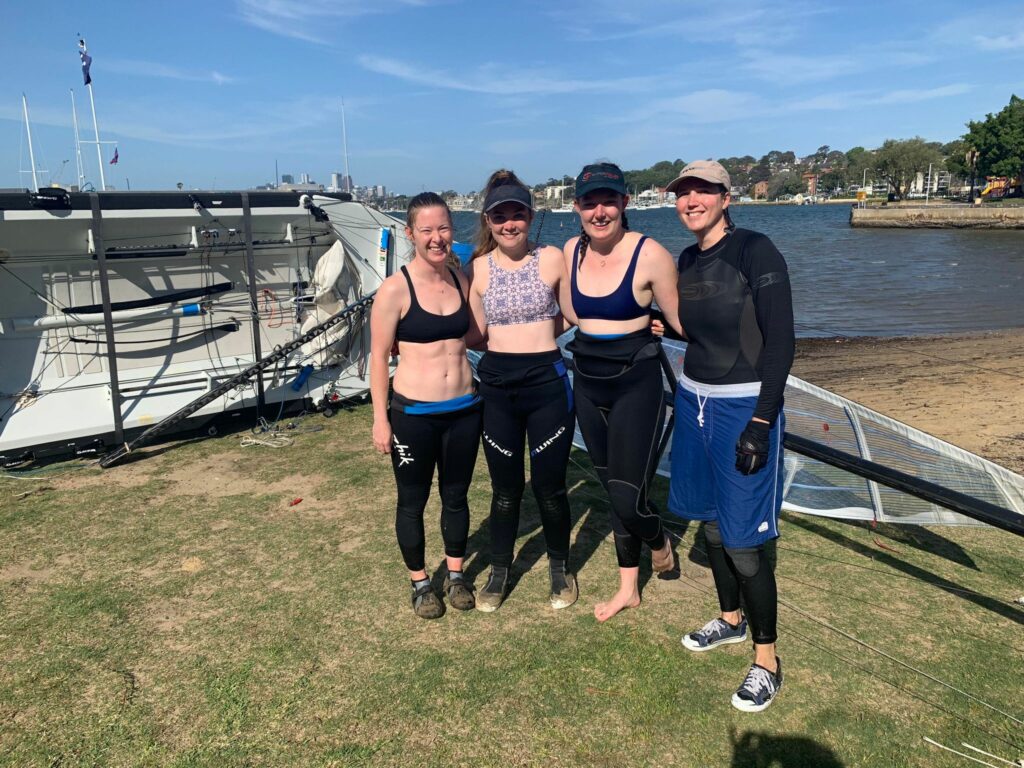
878,651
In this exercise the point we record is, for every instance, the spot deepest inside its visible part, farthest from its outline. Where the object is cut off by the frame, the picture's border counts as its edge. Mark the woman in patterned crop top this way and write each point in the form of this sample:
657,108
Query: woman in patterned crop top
523,383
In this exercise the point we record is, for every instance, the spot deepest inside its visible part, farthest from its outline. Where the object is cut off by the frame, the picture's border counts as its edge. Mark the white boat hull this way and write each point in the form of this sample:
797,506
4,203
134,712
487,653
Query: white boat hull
56,388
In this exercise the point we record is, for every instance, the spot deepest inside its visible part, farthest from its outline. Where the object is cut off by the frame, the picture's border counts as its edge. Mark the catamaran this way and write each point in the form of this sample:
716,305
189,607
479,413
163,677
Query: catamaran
121,308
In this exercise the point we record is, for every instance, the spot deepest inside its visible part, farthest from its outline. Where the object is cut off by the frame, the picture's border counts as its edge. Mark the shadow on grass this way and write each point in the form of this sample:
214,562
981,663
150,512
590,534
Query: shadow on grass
984,601
763,750
922,539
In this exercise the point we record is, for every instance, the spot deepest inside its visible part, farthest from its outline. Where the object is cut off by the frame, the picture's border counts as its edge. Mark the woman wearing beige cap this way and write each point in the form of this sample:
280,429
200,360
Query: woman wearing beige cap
615,275
734,300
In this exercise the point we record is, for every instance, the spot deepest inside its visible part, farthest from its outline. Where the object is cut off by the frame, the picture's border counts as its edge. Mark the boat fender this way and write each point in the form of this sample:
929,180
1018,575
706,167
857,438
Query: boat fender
191,310
300,380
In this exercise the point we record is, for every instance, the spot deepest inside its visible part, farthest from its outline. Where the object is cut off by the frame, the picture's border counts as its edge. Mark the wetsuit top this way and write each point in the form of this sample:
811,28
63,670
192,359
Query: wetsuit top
518,296
422,327
736,307
620,304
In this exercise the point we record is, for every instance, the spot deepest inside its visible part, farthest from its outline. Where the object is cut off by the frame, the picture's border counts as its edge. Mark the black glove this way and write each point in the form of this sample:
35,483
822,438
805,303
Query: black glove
752,448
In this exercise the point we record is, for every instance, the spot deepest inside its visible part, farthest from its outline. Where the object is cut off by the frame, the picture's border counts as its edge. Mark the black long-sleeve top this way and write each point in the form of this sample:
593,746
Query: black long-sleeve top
736,307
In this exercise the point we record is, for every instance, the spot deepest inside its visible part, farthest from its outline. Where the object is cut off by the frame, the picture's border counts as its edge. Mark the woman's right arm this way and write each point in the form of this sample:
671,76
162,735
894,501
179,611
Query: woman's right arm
564,286
477,336
384,317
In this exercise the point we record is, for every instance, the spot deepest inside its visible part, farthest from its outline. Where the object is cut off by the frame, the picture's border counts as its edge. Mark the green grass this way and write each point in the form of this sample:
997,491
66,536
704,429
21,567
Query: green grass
175,611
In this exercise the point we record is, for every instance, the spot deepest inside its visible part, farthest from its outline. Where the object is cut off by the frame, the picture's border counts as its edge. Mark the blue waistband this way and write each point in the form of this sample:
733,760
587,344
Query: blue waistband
440,406
606,335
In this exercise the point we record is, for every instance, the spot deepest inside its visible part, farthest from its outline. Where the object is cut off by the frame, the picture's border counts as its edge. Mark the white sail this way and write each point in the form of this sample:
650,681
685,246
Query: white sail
813,487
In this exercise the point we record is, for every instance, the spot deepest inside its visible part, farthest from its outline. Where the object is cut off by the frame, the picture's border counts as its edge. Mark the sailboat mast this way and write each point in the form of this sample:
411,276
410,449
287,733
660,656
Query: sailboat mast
31,152
96,129
78,143
95,123
344,142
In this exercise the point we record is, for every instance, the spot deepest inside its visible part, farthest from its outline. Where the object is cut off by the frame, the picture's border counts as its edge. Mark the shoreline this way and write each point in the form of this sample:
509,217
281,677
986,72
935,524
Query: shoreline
964,388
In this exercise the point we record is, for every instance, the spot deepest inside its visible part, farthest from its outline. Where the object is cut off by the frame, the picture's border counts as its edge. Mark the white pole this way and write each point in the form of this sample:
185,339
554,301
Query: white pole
31,153
78,143
928,189
99,150
344,140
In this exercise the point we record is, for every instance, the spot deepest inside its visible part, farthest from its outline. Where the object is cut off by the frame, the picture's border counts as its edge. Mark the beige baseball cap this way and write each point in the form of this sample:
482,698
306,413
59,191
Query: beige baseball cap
707,170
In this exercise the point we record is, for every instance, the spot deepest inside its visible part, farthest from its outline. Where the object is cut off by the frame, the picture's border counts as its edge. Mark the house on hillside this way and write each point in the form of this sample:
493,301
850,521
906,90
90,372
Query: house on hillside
760,190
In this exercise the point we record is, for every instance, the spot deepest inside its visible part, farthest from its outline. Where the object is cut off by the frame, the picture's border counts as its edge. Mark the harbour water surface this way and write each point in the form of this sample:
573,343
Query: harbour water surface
860,282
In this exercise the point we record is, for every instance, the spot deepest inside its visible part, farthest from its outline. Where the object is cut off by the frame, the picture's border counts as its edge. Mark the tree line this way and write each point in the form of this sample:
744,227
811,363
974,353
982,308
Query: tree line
990,147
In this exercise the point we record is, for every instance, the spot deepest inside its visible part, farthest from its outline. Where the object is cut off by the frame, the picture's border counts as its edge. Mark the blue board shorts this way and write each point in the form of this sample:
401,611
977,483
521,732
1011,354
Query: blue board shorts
705,484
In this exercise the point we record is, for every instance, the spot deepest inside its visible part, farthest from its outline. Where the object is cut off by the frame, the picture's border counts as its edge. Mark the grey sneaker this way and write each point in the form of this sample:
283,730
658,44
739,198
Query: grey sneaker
426,604
490,598
564,591
460,593
713,634
759,689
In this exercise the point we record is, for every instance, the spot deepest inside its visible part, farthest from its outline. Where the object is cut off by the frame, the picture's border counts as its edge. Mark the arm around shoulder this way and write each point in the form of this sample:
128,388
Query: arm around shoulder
664,278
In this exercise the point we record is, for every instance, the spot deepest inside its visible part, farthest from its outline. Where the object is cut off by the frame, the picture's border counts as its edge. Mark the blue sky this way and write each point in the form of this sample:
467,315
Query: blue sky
439,93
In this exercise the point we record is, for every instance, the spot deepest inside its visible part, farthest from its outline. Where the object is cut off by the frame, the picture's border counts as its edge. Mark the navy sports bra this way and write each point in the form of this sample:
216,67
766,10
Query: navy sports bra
620,304
422,327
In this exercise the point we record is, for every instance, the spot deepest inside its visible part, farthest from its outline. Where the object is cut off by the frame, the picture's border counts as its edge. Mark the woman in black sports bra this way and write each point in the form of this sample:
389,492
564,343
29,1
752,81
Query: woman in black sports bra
433,417
615,275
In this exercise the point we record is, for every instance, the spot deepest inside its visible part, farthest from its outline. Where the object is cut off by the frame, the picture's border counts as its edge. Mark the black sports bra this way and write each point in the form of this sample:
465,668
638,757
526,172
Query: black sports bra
422,327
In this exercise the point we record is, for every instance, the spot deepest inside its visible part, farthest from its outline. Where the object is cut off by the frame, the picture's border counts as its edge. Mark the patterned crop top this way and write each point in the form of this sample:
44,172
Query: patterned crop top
514,297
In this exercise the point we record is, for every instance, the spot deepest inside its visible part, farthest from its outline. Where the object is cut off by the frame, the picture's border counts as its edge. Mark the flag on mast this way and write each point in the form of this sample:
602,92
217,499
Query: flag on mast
86,62
113,160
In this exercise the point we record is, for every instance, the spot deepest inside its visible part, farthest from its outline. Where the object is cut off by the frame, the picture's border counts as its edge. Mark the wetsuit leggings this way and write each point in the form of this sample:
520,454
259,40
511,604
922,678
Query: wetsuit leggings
527,396
747,571
620,405
421,442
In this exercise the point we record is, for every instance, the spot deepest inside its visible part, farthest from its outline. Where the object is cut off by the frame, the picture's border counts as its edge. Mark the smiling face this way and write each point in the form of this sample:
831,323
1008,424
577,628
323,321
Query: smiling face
701,207
601,213
430,230
510,226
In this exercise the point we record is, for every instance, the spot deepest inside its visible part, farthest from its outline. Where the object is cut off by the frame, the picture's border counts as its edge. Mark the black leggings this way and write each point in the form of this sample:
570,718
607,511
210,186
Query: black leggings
747,571
421,442
620,404
527,395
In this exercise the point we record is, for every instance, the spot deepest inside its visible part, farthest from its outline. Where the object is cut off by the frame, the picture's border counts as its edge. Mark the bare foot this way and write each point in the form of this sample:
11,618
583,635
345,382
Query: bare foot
663,560
620,600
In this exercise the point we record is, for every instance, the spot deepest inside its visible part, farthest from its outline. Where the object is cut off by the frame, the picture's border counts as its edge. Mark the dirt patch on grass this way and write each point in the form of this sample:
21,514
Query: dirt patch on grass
229,474
20,572
131,475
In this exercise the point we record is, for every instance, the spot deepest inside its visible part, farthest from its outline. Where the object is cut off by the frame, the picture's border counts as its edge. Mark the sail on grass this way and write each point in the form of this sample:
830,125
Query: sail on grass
816,488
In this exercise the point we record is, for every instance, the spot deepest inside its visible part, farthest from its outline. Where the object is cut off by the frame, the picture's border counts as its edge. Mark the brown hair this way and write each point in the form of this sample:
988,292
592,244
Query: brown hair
431,200
484,240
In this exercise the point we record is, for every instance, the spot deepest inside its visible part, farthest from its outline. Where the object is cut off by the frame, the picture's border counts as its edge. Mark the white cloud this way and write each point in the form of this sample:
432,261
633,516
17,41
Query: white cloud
852,100
493,80
712,105
155,69
1010,42
304,19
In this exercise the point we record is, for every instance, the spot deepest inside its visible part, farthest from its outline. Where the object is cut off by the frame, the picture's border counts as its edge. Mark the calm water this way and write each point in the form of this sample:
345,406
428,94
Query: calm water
861,282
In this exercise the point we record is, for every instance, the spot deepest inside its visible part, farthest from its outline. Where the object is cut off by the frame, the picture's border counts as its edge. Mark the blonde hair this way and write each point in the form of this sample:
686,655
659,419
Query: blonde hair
484,241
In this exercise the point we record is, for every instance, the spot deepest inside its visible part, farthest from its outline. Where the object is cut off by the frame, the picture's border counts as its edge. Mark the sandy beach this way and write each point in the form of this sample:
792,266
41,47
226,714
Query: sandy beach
966,389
